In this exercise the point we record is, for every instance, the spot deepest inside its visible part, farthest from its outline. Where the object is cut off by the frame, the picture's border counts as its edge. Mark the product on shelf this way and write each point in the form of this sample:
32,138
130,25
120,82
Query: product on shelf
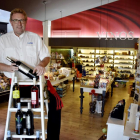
29,121
9,135
19,121
37,135
118,110
24,69
16,94
34,95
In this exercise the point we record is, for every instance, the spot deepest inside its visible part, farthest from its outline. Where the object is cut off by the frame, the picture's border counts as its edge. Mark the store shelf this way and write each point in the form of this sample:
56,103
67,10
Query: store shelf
86,54
123,55
88,62
137,86
124,59
85,58
137,79
4,91
124,68
122,64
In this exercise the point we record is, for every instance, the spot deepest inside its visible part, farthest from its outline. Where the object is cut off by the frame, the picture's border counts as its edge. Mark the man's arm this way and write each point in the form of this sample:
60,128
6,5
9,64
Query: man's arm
40,68
8,68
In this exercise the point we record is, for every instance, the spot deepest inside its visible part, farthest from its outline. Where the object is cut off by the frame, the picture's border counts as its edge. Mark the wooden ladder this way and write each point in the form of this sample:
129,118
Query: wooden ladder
40,109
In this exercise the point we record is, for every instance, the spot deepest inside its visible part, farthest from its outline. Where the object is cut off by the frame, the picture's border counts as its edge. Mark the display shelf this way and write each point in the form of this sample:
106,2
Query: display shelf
5,91
124,69
122,64
137,79
124,59
137,86
123,55
87,53
115,57
85,58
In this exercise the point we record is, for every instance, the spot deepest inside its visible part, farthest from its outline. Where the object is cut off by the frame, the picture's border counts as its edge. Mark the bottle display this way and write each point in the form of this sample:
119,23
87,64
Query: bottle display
29,121
9,135
37,135
16,94
19,121
24,69
34,95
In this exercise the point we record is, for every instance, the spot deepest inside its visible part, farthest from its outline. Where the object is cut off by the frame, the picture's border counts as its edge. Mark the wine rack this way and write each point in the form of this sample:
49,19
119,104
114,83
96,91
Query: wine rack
40,109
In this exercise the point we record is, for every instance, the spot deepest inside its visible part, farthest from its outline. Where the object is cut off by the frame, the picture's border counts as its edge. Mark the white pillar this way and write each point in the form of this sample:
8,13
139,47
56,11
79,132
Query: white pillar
46,35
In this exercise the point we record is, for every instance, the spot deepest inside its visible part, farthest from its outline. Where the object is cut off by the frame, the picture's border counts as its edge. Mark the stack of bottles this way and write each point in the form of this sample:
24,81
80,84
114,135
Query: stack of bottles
24,121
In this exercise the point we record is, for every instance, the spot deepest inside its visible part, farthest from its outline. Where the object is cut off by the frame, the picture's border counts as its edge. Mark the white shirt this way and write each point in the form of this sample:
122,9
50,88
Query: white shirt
27,48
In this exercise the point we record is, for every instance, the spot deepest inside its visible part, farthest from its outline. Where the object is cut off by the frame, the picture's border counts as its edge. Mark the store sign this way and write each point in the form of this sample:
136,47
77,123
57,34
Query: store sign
121,35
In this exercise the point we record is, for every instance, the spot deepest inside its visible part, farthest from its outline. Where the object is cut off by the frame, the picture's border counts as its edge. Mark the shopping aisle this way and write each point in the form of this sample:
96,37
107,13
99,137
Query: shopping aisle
75,126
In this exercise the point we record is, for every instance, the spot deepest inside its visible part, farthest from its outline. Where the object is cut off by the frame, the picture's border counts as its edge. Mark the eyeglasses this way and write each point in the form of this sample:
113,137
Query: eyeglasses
17,21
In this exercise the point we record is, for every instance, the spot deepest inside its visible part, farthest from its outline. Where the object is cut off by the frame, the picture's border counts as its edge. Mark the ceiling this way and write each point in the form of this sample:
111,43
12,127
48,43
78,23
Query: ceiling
55,9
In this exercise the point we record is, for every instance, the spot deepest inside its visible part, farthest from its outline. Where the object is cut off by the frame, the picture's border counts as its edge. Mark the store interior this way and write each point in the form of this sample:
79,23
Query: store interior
94,68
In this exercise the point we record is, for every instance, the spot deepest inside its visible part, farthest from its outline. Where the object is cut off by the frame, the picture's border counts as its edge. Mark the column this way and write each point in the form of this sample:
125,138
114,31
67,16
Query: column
46,35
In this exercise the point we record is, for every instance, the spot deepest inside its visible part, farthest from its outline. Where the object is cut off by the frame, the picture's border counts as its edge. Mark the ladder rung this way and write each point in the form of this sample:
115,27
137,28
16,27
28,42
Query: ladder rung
14,135
27,83
25,109
28,100
39,116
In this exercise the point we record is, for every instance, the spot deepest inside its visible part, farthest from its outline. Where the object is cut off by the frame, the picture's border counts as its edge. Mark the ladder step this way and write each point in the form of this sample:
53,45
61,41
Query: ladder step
39,116
14,135
25,109
28,100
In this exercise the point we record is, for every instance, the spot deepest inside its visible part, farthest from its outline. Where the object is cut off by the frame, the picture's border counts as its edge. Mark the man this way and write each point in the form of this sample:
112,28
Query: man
24,46
28,48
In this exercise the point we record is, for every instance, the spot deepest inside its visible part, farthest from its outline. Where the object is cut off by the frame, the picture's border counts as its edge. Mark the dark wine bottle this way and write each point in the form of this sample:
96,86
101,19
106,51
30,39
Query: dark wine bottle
9,135
19,121
16,94
29,121
34,95
24,69
37,135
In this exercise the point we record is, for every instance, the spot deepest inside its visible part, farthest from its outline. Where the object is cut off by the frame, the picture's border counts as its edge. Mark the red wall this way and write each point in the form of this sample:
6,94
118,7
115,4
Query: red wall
35,26
119,16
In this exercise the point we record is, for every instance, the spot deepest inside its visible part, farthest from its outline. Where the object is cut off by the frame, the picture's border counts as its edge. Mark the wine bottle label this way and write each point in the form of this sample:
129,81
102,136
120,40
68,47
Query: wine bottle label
28,125
24,68
33,97
16,94
19,120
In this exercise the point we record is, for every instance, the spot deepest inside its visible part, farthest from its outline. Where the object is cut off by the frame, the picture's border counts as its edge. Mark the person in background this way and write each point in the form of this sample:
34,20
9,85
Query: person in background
28,48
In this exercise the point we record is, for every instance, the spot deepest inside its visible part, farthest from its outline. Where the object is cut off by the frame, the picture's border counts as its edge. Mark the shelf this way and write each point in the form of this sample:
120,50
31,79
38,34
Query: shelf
123,55
85,58
124,68
5,91
137,79
86,53
88,62
137,86
88,66
124,59
122,64
123,73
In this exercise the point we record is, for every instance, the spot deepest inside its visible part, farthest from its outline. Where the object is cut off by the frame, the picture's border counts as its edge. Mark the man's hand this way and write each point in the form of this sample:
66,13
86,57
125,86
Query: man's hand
40,70
12,67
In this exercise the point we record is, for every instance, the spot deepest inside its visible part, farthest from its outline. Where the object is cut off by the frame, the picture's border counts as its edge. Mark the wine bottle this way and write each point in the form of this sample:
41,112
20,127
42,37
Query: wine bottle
9,135
16,94
29,121
34,95
37,135
19,121
24,69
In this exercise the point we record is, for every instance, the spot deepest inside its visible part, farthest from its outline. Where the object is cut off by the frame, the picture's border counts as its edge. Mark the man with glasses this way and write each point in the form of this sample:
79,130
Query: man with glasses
28,48
22,45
